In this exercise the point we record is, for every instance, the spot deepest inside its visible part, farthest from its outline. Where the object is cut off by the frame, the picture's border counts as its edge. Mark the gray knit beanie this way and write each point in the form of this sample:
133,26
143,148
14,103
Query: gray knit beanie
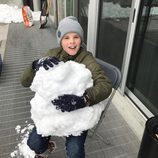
67,25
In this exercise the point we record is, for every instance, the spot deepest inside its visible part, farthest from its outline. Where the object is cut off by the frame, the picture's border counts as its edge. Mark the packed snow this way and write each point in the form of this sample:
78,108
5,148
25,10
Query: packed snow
9,14
66,78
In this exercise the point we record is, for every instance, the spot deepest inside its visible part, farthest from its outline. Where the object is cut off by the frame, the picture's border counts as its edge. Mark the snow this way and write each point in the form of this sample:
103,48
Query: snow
66,78
111,10
9,14
115,10
22,149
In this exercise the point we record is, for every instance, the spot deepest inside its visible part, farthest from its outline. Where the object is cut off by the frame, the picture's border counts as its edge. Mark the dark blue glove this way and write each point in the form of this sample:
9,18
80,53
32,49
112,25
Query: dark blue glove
45,62
69,102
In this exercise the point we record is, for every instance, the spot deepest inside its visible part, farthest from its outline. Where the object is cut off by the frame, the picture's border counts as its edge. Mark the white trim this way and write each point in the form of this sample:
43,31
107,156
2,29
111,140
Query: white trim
139,103
129,43
131,114
92,26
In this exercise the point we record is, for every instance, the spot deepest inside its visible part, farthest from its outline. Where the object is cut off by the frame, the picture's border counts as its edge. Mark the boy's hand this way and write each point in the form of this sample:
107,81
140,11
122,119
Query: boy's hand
69,102
45,62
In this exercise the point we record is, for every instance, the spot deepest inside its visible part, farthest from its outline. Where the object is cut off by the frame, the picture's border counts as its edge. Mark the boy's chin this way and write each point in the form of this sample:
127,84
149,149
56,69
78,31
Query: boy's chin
74,52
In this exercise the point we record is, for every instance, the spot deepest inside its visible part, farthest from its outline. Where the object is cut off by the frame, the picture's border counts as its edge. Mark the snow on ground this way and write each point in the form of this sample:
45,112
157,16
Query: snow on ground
9,14
22,150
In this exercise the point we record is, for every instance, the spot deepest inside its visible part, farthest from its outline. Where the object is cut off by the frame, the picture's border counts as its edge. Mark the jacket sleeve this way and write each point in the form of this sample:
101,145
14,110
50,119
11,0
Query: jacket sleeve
27,76
102,86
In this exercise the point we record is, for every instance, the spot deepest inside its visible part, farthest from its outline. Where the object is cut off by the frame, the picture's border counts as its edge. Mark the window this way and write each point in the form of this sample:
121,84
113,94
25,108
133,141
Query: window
113,25
143,72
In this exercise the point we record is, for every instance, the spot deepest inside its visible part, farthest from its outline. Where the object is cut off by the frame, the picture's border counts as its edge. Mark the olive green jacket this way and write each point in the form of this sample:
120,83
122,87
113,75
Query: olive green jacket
101,87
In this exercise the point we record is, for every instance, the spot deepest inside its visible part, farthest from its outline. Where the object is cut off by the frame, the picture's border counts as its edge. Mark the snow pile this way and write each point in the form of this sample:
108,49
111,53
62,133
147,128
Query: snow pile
22,149
65,78
111,10
10,14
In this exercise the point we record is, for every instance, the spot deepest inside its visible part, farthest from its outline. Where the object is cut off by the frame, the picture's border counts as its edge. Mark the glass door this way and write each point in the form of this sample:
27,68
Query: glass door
143,70
112,30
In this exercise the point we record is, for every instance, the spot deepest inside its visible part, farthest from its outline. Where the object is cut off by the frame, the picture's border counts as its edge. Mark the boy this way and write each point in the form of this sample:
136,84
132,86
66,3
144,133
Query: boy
70,37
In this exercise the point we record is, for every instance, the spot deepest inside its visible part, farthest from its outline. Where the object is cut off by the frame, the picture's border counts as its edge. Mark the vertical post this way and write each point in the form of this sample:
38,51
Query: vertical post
92,25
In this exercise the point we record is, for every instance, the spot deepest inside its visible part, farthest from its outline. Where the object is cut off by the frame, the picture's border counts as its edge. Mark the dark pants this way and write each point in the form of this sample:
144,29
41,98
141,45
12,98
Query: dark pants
74,144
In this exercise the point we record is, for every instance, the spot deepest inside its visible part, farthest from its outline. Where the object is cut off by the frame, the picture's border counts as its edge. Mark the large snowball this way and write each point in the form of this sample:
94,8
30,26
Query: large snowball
65,78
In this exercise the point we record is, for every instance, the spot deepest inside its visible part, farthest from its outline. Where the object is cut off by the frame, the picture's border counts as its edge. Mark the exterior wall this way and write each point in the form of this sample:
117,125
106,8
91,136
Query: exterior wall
134,118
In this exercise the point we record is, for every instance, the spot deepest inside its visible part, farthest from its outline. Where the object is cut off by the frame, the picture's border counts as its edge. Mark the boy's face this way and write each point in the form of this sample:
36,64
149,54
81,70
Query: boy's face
71,43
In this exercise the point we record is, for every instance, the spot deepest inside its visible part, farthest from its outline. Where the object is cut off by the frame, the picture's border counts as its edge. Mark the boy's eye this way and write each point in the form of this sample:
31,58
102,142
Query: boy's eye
66,37
76,37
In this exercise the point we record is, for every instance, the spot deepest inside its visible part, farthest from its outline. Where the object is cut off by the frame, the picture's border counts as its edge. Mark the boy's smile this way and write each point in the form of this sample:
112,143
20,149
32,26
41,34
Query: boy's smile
71,43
